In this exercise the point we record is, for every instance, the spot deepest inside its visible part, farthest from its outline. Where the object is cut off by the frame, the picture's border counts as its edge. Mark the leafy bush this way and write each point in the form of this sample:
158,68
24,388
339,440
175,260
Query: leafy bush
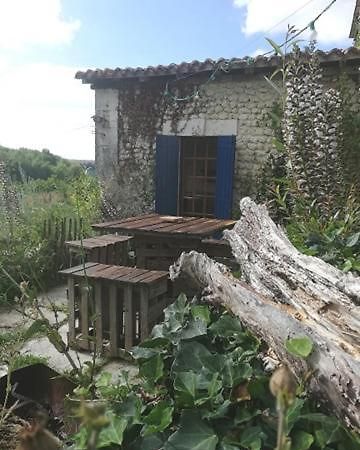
24,164
202,386
336,241
32,245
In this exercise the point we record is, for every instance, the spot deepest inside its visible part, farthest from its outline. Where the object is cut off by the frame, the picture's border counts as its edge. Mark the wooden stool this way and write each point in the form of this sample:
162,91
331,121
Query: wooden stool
106,249
115,307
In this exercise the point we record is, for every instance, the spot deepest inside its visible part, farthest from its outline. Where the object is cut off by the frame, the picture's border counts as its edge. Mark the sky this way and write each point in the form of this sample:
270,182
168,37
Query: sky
43,43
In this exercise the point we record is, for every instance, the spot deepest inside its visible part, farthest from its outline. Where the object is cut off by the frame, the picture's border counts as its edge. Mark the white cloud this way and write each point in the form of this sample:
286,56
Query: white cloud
333,27
257,52
43,106
32,22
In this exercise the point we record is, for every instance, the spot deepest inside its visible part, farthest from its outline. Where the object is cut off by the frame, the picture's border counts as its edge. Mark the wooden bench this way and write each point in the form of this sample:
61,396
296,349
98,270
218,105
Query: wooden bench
114,307
106,249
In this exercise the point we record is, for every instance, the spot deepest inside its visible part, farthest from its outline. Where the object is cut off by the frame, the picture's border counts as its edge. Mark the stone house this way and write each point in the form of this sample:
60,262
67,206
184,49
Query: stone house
190,138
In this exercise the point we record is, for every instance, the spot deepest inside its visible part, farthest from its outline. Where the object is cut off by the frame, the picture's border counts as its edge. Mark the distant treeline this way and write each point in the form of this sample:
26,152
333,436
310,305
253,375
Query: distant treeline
23,165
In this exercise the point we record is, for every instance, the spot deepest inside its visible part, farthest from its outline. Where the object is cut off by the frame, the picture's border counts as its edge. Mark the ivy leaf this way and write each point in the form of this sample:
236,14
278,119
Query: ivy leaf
196,388
158,419
174,314
251,438
113,433
226,326
152,369
347,265
193,434
301,440
235,374
143,353
196,327
301,346
219,413
201,312
185,387
130,409
353,239
293,412
151,442
225,446
193,356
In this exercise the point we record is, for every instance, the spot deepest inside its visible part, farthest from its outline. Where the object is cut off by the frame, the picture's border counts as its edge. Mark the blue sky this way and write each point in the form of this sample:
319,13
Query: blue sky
44,42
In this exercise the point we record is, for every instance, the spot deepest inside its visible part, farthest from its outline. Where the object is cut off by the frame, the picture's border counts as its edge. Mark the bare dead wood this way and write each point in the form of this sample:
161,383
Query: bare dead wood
288,294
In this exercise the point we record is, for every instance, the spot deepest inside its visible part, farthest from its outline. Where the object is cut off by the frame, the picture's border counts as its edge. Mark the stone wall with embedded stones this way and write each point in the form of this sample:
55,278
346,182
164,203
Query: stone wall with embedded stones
235,104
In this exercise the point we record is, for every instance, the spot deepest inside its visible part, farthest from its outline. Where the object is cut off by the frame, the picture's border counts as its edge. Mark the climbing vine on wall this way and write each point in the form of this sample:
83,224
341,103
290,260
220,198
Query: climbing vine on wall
142,110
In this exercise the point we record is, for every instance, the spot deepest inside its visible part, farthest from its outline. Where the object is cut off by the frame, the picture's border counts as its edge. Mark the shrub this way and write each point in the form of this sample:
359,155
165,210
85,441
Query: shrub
202,385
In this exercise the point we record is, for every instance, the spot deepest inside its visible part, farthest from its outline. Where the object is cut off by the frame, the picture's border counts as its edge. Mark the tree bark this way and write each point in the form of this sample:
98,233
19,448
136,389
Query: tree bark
285,294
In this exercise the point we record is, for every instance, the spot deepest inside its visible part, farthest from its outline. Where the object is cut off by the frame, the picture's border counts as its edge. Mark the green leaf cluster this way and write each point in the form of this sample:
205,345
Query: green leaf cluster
202,386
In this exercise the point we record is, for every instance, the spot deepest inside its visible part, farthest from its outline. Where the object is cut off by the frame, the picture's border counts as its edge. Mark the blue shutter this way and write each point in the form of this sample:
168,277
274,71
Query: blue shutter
167,174
224,176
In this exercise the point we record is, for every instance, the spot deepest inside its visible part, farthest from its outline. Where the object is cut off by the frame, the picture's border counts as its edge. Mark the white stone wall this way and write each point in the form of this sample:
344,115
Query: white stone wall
235,104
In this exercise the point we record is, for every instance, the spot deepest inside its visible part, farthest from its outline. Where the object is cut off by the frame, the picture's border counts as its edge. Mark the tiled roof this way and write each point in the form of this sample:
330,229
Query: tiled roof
184,68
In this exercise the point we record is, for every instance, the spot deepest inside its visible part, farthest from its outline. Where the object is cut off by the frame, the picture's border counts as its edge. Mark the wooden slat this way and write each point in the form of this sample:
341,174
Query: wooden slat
129,322
139,224
104,254
205,228
98,317
111,223
158,288
114,323
127,277
151,276
99,241
144,313
110,272
71,306
168,227
94,272
115,238
73,270
123,273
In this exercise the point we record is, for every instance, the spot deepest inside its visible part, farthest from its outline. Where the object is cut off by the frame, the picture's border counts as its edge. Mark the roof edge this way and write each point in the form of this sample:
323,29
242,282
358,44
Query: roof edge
194,67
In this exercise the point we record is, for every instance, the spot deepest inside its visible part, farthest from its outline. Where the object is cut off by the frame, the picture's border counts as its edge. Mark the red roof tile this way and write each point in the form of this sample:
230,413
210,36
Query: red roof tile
184,68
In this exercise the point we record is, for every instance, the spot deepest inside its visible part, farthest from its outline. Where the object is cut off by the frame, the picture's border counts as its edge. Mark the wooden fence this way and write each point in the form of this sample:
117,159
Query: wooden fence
57,232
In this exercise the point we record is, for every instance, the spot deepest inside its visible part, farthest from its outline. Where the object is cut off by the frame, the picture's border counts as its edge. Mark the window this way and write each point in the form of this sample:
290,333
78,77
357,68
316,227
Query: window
198,176
194,175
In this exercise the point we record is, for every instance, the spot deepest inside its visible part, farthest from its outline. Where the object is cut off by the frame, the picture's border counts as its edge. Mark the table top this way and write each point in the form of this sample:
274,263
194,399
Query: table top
117,274
161,225
98,241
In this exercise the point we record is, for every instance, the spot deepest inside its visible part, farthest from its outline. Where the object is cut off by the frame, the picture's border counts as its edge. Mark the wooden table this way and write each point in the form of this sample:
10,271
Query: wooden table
159,240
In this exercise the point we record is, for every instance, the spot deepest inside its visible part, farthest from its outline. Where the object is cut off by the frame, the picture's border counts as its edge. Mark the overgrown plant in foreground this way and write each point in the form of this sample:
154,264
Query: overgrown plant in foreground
311,182
34,248
202,385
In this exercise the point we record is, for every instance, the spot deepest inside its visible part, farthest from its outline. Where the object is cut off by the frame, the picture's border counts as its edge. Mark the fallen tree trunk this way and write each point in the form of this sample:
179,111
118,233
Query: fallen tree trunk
288,294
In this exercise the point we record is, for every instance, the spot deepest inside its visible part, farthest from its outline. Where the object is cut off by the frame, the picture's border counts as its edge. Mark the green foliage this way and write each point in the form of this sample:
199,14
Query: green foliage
311,182
24,164
336,241
85,199
32,244
27,360
202,386
350,129
300,346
